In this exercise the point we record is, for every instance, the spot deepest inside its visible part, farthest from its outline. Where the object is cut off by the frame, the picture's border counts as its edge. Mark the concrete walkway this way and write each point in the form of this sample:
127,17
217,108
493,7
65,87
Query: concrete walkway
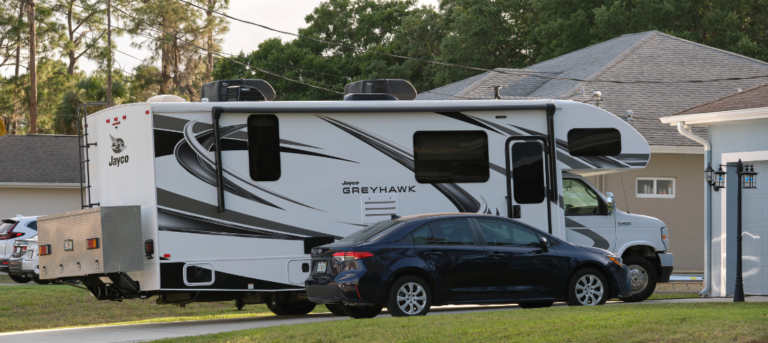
146,332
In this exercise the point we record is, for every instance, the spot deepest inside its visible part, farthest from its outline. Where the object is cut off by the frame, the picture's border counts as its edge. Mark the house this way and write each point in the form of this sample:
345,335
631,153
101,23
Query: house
38,175
737,125
643,73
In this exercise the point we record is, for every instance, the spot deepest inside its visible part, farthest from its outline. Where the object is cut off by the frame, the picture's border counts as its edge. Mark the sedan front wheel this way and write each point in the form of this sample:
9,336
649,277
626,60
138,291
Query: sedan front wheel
588,287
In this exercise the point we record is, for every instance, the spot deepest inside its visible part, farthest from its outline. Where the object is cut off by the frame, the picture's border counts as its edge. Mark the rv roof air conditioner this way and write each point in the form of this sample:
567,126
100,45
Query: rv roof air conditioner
238,90
382,89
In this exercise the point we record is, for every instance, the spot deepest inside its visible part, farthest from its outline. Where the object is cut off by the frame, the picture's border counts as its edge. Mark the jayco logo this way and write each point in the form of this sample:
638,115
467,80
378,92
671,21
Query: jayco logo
117,161
118,145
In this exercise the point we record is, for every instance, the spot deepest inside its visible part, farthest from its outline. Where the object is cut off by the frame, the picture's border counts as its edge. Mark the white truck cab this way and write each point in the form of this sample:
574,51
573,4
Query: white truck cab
592,219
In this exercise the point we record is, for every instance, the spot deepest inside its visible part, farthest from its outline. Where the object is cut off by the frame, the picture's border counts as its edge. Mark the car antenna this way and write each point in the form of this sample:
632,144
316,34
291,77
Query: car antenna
394,216
624,190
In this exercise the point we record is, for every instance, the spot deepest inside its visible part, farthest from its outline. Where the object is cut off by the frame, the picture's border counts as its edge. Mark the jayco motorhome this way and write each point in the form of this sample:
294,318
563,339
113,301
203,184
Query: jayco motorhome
223,200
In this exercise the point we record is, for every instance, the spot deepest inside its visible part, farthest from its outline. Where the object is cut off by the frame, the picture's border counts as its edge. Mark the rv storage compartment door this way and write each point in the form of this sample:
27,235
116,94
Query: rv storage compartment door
92,241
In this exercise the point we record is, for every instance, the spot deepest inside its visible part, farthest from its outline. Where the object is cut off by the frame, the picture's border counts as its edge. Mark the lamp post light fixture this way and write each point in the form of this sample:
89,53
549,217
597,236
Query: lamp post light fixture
716,179
746,180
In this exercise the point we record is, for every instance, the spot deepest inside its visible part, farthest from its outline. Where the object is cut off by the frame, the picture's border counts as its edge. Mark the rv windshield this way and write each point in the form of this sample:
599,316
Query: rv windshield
372,232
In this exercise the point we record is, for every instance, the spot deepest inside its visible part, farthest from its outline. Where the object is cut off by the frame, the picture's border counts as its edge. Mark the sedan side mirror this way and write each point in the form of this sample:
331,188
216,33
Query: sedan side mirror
543,244
609,201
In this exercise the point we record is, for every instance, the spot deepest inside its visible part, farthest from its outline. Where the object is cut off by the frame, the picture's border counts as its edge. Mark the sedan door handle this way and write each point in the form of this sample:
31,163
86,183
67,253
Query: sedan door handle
432,253
497,255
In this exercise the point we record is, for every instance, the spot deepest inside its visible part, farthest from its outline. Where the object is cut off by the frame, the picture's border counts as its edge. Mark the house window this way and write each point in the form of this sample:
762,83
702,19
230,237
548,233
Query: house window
451,156
264,147
655,187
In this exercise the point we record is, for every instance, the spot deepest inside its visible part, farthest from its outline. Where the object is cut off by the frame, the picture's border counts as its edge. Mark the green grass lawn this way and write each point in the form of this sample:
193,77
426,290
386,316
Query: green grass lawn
57,306
5,279
701,322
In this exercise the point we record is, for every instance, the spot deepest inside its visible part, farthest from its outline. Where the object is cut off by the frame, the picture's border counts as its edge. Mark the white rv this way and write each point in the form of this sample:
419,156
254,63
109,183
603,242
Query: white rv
230,196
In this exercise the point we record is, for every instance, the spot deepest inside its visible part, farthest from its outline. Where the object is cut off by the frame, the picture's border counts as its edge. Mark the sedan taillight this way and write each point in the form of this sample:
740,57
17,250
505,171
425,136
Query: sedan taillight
351,255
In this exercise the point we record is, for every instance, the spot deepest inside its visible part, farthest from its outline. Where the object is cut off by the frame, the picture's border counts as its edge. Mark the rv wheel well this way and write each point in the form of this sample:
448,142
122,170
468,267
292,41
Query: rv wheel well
646,252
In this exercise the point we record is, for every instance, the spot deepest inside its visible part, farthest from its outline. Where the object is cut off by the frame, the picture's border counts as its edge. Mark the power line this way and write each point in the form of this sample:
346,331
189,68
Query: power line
247,66
464,66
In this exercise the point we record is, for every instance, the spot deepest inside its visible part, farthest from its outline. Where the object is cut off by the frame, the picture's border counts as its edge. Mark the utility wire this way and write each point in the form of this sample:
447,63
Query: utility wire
533,74
247,66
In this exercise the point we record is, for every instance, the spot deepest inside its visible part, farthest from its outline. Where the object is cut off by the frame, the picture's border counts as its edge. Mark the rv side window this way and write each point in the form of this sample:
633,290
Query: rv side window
451,156
594,142
264,147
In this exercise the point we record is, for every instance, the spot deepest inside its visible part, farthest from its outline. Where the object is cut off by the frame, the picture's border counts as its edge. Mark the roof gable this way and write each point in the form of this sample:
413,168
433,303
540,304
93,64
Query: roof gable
39,159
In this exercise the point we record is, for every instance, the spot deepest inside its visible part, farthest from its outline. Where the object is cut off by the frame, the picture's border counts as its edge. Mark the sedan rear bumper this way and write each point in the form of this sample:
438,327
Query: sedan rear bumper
324,290
14,266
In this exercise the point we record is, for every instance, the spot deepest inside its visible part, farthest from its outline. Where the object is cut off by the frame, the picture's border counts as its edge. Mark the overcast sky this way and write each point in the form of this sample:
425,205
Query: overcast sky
282,15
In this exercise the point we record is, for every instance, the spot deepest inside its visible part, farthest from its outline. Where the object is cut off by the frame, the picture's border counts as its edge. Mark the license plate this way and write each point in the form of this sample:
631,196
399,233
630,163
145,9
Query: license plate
321,267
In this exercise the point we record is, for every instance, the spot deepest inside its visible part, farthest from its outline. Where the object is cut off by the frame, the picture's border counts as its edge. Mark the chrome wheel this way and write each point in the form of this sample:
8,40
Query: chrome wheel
638,278
411,298
589,290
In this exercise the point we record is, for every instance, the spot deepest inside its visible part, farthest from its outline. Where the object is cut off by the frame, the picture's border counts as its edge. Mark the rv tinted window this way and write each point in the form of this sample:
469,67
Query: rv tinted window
594,142
528,172
451,156
264,147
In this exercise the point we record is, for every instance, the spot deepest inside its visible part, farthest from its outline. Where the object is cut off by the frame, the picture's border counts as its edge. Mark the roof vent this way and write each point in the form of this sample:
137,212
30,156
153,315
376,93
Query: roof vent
238,90
396,88
166,98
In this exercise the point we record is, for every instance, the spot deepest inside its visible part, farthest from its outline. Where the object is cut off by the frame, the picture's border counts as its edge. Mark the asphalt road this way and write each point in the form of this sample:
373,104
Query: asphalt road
146,332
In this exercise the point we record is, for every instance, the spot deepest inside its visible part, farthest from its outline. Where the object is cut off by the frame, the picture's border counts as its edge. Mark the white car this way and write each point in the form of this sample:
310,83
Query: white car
24,262
11,229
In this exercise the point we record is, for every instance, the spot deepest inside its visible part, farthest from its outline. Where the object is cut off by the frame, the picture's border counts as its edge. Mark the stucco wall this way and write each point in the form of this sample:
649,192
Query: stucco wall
684,214
37,201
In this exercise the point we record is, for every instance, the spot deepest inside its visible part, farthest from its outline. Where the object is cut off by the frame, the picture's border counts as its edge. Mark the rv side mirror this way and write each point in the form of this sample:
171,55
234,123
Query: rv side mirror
543,244
609,201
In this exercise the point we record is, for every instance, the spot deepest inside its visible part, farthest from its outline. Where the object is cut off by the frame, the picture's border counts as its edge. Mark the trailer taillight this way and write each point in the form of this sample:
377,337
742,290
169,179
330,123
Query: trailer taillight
92,243
107,121
149,248
124,117
44,249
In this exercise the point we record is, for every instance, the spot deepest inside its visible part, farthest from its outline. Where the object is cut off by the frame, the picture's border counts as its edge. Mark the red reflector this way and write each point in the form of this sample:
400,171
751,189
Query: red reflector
107,121
147,112
44,249
123,117
115,118
92,243
167,255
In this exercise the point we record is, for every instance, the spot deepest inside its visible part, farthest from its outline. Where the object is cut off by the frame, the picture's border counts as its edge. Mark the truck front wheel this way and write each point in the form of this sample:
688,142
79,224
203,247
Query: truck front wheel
642,276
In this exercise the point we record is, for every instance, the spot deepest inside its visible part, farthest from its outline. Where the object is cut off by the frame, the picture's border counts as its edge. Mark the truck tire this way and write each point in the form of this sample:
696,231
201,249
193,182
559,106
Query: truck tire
291,309
587,287
19,278
361,312
642,276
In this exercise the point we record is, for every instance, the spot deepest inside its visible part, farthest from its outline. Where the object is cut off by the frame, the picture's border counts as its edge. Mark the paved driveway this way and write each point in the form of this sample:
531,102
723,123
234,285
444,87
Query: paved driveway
145,332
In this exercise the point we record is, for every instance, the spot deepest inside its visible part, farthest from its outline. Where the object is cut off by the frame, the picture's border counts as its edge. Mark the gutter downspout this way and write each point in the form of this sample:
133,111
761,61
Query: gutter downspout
707,208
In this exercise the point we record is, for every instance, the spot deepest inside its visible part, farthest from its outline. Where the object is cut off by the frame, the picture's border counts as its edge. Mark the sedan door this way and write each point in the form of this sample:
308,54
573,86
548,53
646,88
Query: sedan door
456,258
522,270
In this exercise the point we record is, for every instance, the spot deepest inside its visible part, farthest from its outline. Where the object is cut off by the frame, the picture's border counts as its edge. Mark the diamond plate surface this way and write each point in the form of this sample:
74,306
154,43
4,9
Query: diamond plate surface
118,229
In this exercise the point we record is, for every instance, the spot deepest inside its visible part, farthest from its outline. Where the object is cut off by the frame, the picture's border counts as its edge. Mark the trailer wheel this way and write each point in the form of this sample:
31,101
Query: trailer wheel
642,276
336,309
19,278
291,309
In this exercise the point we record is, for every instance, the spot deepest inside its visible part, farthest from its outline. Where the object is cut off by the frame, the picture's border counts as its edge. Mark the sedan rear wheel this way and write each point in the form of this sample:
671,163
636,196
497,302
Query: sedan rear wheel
336,309
588,287
409,296
361,312
291,309
19,278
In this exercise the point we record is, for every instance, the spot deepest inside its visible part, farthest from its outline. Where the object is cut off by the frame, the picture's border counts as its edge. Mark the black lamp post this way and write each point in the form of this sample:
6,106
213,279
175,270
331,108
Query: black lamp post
746,180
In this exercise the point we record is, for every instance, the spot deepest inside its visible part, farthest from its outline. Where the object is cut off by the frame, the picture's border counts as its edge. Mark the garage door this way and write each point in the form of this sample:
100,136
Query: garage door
755,234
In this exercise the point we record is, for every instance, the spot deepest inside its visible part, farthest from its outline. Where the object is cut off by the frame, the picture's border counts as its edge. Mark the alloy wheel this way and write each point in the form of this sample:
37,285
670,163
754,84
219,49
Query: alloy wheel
411,298
589,290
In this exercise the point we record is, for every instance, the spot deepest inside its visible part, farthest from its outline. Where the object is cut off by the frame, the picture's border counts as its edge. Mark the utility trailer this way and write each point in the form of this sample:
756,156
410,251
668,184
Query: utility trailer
232,195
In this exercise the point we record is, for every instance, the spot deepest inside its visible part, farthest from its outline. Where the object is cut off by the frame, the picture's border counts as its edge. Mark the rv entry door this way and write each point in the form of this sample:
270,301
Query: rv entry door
527,181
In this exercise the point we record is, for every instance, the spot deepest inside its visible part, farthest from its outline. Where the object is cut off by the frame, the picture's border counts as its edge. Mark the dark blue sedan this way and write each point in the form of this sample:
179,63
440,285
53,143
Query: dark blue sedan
411,263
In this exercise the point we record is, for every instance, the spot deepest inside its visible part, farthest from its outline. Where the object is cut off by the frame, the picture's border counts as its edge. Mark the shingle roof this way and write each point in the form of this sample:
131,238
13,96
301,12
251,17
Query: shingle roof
753,98
39,159
648,55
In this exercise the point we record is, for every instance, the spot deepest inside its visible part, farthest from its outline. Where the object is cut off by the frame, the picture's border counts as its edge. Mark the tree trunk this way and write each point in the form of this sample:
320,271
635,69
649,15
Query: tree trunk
18,42
109,50
176,71
209,60
165,74
71,53
32,69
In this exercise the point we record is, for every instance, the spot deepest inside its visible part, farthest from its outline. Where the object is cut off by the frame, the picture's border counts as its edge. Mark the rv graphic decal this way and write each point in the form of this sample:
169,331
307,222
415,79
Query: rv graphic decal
118,145
379,190
117,161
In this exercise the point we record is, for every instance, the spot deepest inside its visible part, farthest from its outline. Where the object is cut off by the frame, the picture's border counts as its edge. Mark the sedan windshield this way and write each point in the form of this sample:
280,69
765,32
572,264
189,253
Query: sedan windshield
371,232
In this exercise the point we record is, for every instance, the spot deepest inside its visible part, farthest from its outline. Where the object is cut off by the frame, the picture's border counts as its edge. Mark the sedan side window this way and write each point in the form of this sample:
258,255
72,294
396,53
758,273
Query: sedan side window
454,232
423,235
503,233
580,200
